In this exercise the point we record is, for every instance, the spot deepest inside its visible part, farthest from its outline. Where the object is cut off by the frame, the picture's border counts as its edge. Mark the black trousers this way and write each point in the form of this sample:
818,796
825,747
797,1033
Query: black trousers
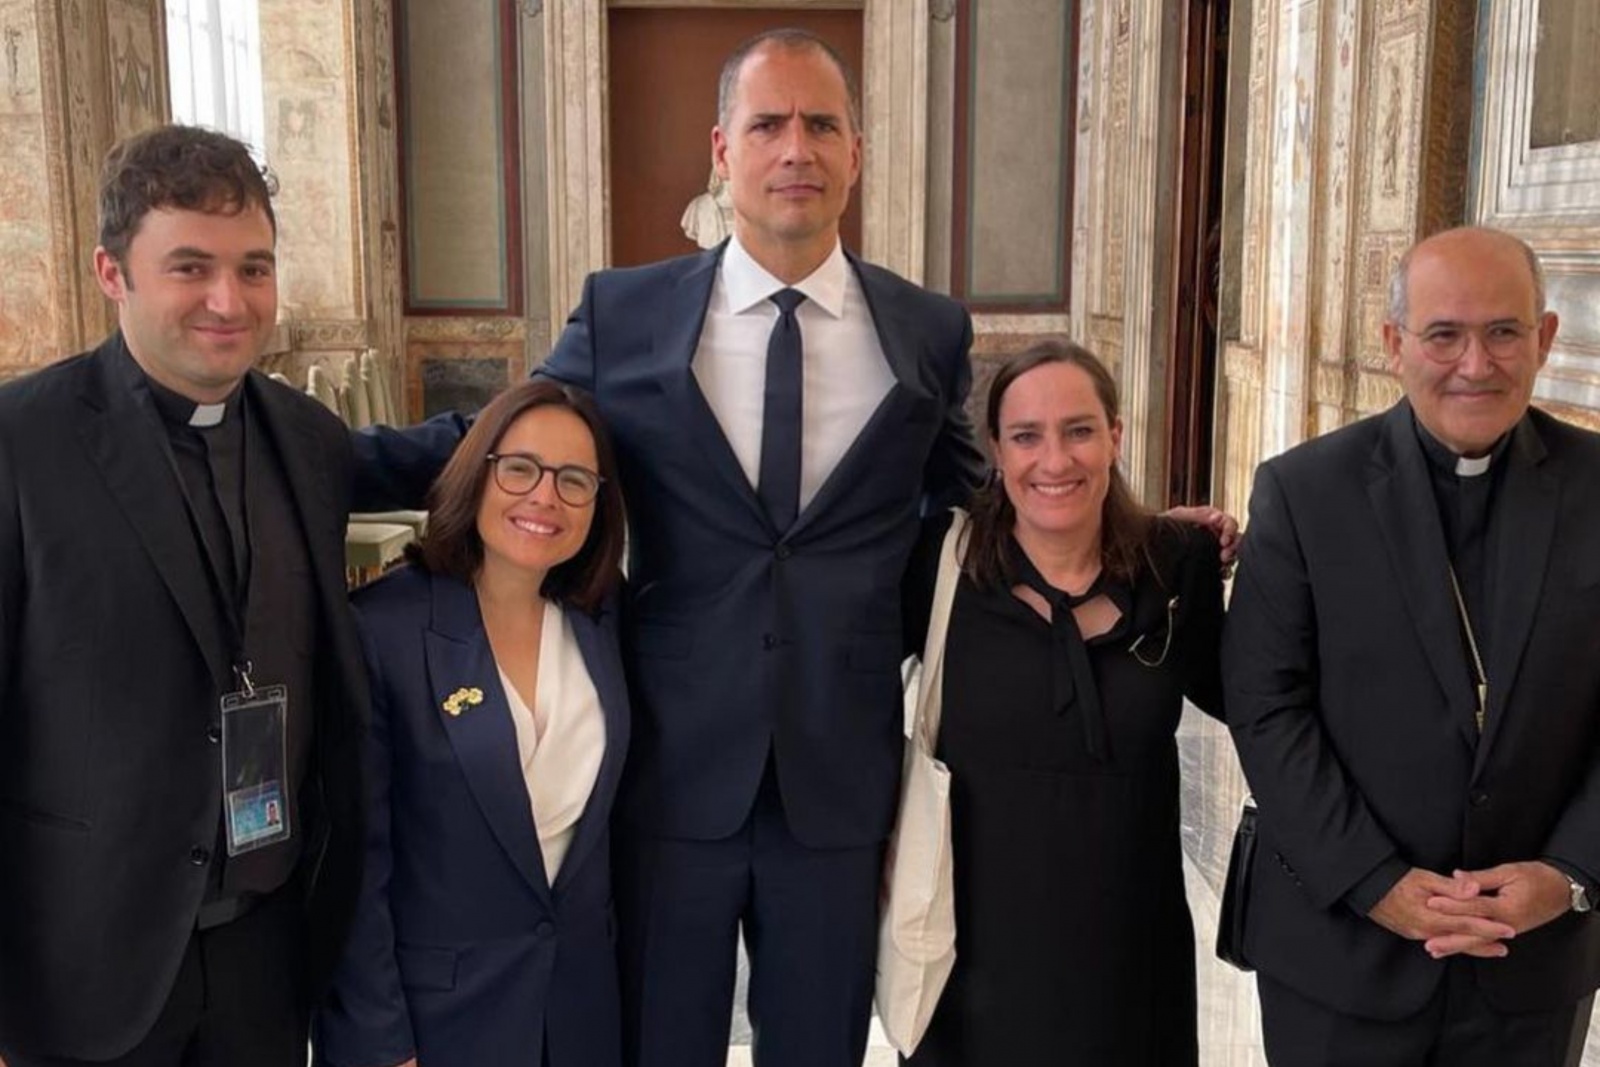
1457,1028
239,999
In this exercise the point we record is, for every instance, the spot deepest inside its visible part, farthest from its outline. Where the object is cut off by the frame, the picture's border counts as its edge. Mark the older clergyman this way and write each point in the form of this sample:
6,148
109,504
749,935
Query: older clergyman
1412,664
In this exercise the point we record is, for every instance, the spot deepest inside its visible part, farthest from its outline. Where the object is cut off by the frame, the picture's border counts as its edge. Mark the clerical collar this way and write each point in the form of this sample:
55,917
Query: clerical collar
179,410
1443,460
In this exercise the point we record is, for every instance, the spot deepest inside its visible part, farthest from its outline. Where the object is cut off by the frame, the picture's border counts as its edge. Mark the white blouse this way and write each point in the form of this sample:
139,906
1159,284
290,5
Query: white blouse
561,739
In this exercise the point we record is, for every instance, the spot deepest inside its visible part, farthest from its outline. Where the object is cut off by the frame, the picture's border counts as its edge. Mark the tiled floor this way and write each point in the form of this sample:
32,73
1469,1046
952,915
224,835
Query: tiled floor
1230,1027
1230,1022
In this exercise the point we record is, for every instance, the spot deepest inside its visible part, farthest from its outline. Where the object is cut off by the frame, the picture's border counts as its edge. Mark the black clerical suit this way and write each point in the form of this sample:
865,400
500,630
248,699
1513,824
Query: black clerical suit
140,561
1351,697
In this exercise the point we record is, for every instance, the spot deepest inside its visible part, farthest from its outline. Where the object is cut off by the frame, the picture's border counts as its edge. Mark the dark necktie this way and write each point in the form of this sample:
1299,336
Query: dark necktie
779,484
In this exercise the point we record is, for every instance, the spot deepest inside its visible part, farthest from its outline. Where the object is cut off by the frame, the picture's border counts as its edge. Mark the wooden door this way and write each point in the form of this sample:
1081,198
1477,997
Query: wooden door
662,68
1193,335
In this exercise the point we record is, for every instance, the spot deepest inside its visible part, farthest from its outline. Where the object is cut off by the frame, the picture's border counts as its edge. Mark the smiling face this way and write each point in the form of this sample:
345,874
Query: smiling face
1055,451
1474,283
196,296
789,155
525,536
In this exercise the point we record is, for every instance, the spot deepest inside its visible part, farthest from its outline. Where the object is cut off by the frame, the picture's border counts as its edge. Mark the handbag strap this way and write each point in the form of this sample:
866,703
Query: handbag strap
944,595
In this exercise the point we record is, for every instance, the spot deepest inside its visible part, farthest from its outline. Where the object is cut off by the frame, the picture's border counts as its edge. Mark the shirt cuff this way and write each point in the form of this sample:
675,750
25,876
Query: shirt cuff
1375,886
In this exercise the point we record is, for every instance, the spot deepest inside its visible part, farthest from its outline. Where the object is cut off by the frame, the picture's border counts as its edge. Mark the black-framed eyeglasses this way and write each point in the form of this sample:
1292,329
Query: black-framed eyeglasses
1446,342
519,474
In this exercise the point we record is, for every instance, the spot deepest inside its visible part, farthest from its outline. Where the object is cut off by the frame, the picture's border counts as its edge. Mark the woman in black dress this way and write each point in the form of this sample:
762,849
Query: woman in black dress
1080,623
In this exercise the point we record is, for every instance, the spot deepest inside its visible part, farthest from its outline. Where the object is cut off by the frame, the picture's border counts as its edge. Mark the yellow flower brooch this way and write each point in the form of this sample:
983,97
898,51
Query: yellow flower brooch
462,698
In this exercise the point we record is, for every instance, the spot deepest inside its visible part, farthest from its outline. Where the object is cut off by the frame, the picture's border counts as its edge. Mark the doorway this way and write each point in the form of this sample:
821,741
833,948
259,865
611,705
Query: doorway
1193,333
662,68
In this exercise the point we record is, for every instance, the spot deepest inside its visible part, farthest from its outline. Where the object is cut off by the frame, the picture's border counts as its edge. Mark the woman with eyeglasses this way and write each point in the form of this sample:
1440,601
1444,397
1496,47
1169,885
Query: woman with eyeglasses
1080,623
484,933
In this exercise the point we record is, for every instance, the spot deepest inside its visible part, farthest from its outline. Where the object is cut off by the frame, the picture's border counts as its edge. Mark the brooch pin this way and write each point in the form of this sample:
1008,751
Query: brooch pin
462,698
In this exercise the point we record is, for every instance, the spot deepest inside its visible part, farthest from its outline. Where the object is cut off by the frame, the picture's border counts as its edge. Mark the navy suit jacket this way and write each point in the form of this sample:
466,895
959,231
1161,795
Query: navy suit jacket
746,640
1350,697
462,953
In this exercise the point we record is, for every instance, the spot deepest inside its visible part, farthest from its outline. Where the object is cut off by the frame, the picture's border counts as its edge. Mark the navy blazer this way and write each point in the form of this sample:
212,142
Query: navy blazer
462,953
746,640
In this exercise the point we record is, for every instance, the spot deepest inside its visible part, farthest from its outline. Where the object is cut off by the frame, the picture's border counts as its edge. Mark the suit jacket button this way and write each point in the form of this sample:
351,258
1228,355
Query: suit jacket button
784,551
544,929
1478,798
214,734
199,855
769,641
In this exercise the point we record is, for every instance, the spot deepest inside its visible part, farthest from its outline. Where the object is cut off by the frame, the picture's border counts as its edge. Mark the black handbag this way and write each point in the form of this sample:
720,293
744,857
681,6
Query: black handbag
1236,890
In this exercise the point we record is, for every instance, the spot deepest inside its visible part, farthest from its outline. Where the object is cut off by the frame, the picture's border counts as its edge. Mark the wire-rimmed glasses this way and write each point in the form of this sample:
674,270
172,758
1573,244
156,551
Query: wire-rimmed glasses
1446,342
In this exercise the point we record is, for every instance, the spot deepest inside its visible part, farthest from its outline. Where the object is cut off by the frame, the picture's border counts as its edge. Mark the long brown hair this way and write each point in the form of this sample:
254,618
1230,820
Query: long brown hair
452,545
1125,523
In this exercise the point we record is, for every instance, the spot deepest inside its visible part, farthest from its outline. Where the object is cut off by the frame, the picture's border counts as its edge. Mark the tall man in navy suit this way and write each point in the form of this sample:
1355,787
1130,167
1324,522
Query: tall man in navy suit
775,463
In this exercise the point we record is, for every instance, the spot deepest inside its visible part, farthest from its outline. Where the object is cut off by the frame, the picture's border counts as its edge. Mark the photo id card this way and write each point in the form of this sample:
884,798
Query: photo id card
255,790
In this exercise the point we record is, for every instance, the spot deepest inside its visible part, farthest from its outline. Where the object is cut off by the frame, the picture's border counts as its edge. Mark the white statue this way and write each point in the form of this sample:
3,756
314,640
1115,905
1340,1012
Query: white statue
709,217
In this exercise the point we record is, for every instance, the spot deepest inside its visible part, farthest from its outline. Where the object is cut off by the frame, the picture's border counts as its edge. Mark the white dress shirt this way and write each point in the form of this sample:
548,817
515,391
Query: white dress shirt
561,739
845,376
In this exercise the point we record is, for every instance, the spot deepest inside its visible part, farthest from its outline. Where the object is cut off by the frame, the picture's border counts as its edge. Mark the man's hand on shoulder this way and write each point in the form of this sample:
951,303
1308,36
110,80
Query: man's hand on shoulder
1408,911
1219,522
1520,896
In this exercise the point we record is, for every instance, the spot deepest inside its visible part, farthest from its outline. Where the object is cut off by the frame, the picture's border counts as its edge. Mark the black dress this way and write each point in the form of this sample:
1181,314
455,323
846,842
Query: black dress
1073,938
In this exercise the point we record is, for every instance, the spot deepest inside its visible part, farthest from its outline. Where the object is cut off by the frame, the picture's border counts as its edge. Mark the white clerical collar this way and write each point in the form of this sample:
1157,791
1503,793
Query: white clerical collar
207,415
1471,467
748,284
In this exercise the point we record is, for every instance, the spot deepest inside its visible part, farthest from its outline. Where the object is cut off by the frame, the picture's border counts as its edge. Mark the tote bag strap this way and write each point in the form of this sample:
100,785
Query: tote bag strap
926,725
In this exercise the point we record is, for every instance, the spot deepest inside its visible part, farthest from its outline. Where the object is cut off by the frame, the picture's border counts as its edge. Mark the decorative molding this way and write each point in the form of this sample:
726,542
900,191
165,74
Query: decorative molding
1154,106
439,328
1023,324
894,185
378,141
1329,384
942,10
1376,392
531,9
1338,145
575,146
1518,187
1241,363
321,335
1445,137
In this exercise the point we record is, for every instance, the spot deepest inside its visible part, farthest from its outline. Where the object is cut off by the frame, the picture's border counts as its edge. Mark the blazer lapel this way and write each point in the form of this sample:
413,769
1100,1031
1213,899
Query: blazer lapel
295,439
600,656
1525,523
1408,520
676,338
907,370
123,437
482,734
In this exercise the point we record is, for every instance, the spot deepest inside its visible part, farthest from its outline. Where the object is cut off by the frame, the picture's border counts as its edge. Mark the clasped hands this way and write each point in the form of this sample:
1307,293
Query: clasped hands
1473,913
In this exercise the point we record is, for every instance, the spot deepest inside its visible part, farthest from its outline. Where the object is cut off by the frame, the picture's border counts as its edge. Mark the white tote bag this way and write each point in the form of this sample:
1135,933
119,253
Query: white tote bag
917,929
